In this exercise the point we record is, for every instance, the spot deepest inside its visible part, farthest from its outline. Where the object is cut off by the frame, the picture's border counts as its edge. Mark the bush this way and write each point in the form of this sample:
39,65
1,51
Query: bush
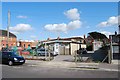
89,48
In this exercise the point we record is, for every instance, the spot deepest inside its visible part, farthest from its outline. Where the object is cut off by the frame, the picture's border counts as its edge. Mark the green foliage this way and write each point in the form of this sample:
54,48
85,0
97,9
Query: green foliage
89,48
97,35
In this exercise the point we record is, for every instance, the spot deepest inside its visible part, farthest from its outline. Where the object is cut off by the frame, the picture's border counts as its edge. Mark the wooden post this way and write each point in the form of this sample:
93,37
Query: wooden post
49,52
75,56
109,57
45,52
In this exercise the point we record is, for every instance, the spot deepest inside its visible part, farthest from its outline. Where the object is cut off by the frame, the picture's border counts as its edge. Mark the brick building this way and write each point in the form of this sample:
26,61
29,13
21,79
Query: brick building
3,39
26,43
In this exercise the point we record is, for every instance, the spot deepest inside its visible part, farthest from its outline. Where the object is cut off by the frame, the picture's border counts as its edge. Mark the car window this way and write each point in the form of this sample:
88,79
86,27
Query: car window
13,54
0,54
9,53
4,54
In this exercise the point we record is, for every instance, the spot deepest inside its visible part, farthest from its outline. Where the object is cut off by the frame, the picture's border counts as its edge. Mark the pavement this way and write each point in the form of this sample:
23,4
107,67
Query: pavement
73,65
67,61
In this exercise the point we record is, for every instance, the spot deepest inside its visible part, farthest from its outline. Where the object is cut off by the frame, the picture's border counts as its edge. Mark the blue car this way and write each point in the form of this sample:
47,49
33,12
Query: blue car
11,58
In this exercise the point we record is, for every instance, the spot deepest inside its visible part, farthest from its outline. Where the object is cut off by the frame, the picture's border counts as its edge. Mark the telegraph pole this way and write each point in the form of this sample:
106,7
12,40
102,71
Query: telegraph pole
8,28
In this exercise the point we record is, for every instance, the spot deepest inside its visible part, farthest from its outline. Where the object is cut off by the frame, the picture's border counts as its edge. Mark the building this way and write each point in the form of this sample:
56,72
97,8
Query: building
3,39
96,40
115,47
27,43
63,46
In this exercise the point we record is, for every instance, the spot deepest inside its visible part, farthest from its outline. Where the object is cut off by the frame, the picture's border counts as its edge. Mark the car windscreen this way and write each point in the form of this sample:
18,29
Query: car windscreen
14,54
42,50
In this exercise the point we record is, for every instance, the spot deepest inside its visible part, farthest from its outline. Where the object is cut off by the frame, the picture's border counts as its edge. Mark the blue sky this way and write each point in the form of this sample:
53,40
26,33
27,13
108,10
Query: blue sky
39,20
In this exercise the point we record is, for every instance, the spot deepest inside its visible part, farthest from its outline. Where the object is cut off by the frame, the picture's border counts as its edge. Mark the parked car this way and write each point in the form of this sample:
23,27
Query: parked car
41,52
11,58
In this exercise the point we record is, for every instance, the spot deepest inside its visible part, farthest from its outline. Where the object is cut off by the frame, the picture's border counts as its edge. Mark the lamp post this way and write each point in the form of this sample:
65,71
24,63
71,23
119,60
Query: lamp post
8,29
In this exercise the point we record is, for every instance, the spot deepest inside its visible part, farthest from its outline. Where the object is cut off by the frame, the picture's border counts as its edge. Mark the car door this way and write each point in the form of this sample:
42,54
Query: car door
5,57
0,57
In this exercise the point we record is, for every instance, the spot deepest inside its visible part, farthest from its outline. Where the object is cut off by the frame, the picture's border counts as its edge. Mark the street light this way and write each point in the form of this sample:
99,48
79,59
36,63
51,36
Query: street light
8,28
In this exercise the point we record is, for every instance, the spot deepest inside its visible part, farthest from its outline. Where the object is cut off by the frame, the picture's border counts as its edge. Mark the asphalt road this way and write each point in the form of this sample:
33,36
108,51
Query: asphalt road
30,70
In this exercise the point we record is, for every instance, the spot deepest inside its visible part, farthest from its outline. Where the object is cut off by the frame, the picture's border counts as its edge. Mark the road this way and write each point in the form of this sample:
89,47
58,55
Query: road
41,69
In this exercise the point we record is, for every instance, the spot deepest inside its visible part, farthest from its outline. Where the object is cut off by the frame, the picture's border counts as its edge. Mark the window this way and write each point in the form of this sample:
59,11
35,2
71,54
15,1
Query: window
115,49
56,47
80,40
24,45
3,45
28,45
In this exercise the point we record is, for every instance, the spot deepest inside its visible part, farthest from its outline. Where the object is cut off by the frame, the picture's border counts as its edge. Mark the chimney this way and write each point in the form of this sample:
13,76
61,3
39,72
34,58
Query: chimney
58,37
84,39
84,36
48,39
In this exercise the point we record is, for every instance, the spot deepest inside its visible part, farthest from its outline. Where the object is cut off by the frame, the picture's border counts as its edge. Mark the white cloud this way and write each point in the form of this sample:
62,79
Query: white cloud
63,27
56,27
73,14
78,36
107,33
20,28
112,21
74,25
21,16
15,32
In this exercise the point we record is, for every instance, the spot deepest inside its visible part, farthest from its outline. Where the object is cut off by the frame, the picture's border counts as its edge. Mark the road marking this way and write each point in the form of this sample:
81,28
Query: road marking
32,65
17,67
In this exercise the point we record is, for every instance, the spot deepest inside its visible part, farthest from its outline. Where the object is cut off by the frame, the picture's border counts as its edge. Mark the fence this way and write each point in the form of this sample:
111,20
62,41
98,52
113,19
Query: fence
32,55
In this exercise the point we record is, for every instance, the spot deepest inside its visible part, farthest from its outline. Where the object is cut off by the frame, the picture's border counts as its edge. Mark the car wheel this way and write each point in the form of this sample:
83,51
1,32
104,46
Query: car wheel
10,63
39,54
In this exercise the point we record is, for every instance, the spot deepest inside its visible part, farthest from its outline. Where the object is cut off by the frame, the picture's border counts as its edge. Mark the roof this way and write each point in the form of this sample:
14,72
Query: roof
63,41
118,35
66,39
4,34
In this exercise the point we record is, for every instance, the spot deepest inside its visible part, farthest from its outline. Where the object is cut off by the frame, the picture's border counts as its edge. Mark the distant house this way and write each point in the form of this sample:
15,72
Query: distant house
27,43
96,40
64,46
115,46
3,39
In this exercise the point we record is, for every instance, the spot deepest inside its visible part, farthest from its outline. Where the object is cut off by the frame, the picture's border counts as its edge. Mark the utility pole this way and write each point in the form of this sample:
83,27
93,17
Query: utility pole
8,29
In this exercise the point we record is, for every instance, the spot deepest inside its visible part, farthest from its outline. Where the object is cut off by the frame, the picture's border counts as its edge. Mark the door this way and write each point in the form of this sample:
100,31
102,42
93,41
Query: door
5,57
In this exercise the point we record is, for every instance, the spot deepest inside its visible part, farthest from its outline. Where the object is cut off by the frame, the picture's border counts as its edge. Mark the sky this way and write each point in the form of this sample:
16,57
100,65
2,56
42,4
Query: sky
42,20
